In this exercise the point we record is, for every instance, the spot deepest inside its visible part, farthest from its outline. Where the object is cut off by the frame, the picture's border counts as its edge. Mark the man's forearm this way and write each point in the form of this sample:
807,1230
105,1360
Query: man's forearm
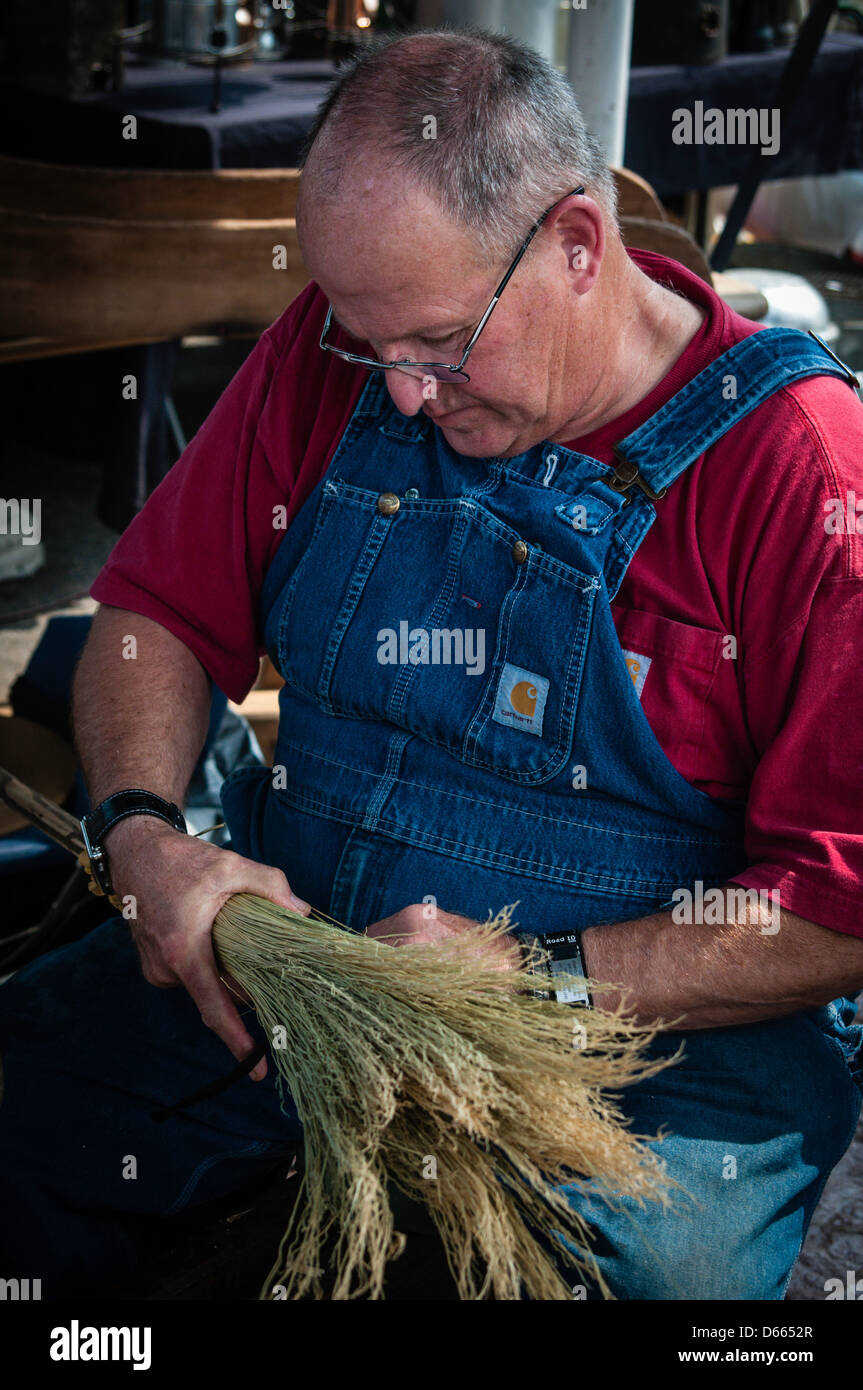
140,708
709,976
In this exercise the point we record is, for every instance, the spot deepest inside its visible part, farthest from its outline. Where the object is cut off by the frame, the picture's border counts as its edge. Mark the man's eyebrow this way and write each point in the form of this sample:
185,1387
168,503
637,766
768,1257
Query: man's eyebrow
427,334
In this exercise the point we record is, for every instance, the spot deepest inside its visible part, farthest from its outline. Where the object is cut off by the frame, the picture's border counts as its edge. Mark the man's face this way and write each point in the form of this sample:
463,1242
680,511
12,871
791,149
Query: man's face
409,283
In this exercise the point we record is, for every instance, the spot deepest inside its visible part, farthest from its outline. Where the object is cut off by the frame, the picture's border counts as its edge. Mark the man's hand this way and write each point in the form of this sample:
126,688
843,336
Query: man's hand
178,884
422,923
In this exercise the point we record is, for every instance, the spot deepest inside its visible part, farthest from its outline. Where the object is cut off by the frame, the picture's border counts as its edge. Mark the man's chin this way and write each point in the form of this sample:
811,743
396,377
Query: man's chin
479,440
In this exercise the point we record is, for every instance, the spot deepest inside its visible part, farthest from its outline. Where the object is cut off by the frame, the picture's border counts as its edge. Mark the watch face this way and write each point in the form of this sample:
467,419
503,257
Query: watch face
566,960
574,991
561,944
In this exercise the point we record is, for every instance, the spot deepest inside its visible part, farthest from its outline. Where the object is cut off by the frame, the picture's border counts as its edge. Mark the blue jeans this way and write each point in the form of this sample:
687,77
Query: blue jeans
89,1185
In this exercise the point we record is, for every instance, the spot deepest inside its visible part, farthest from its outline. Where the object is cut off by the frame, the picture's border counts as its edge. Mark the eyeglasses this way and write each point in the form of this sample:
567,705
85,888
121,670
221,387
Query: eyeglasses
442,371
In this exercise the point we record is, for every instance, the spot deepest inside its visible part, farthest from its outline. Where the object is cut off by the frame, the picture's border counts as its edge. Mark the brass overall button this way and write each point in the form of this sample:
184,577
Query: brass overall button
388,504
519,552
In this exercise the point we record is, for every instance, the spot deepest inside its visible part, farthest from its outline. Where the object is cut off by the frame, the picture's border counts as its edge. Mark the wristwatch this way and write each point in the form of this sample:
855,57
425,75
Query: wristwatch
132,802
564,958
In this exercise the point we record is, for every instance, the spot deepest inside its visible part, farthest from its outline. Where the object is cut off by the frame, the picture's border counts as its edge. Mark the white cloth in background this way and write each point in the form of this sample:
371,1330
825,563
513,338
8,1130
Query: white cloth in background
821,211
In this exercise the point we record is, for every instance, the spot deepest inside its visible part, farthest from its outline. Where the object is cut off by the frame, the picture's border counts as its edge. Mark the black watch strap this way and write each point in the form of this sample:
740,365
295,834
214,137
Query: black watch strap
134,801
564,958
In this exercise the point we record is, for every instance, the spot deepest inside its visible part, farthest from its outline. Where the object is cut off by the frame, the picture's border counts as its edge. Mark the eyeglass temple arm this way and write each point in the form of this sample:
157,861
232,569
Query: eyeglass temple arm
326,328
506,279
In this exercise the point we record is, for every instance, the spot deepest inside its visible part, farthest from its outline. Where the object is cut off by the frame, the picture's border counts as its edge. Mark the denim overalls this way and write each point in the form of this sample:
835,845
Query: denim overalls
531,776
526,772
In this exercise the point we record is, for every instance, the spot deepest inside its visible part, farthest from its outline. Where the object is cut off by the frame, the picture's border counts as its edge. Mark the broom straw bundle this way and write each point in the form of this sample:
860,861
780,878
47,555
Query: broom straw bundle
429,1066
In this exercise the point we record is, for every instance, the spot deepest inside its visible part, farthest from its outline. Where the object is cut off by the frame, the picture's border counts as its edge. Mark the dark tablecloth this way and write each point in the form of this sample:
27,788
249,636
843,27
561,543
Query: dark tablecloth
268,109
823,134
265,115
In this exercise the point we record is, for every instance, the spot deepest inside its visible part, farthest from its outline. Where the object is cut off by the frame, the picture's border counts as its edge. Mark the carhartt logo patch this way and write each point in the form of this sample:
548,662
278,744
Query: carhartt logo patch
521,697
638,667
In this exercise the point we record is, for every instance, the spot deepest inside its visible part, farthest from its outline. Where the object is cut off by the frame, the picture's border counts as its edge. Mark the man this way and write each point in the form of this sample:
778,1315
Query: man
556,627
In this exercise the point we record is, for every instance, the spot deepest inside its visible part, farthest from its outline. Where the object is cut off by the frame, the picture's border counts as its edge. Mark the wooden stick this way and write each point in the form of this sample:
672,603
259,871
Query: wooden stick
41,812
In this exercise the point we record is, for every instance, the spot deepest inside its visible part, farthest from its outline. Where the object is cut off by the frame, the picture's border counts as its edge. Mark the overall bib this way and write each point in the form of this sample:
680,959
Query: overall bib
521,770
528,773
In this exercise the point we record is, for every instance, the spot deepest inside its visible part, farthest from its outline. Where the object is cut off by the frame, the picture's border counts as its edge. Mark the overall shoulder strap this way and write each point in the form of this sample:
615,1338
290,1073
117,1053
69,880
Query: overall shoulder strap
724,392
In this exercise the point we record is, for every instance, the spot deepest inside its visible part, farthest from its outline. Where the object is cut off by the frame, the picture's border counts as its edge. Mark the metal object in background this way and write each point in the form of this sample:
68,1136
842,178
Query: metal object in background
349,25
757,26
793,301
184,28
533,22
692,32
598,69
488,14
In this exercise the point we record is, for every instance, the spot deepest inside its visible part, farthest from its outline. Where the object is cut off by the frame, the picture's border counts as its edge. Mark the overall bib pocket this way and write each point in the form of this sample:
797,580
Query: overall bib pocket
434,615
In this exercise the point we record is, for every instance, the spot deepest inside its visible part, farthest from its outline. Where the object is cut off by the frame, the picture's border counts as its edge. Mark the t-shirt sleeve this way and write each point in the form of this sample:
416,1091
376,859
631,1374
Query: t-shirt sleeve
183,560
195,556
799,573
804,818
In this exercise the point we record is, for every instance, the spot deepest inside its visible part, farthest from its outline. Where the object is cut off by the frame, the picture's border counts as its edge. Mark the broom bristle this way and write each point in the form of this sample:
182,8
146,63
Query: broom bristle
430,1066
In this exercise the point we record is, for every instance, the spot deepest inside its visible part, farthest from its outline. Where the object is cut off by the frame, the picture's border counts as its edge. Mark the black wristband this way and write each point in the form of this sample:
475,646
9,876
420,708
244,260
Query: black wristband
564,958
135,801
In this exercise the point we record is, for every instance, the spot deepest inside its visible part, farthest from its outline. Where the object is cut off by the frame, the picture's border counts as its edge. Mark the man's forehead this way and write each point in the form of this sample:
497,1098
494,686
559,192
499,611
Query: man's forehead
420,300
387,253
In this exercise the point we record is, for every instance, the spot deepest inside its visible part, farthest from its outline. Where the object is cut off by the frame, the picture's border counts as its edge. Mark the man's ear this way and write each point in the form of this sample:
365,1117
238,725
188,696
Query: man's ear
579,231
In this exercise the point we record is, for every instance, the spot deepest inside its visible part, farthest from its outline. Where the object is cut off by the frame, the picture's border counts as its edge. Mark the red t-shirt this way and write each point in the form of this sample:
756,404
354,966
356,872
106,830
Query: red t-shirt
740,547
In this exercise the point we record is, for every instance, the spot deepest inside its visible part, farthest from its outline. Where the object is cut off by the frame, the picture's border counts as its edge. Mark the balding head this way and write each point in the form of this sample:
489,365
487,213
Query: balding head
483,125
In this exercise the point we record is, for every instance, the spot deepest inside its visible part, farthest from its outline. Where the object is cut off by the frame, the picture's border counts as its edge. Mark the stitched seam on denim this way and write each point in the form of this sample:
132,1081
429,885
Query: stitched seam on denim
403,681
399,830
448,792
192,1182
481,718
620,563
567,494
542,869
765,374
385,785
836,1048
328,493
374,544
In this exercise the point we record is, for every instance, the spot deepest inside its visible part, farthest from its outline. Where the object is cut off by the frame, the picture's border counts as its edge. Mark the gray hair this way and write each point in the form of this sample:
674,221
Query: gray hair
509,136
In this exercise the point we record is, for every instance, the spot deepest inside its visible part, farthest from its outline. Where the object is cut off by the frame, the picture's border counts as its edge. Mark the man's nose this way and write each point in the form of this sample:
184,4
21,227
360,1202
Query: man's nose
406,391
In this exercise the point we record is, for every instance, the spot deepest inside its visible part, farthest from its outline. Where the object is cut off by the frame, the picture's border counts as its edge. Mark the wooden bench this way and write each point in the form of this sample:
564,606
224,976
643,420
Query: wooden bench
96,258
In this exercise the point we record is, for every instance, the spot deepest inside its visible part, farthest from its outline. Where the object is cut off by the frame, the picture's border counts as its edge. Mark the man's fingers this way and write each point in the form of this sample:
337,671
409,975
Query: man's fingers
272,884
153,967
218,1013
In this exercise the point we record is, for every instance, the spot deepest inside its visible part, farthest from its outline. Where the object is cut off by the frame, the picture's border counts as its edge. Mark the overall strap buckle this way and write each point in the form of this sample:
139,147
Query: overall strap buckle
626,475
850,376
